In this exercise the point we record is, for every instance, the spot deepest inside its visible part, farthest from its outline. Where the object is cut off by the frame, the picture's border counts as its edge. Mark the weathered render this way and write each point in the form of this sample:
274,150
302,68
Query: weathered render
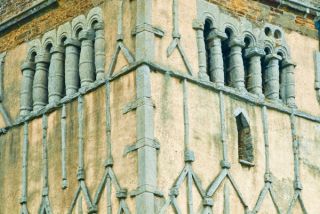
160,106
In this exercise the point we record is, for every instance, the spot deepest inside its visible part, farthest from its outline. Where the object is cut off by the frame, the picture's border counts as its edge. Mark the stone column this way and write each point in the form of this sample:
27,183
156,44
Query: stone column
254,54
56,75
271,77
216,69
99,48
72,66
26,88
288,70
86,64
236,67
40,83
198,26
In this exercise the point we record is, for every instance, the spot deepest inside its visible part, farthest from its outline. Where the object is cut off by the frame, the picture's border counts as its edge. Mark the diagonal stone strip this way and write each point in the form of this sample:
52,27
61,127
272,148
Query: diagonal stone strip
225,165
45,203
120,46
175,43
268,187
187,172
82,187
297,197
109,177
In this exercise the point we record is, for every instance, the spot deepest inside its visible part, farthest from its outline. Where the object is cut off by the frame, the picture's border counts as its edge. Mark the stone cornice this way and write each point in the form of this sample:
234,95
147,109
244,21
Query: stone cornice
15,20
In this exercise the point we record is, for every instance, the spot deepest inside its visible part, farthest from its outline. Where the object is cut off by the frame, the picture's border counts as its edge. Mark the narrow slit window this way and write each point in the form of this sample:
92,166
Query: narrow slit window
245,146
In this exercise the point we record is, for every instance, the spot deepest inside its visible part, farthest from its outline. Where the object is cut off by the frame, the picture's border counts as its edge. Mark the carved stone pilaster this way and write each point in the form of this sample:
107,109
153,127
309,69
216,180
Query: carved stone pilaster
40,82
236,68
86,64
56,75
198,26
288,71
72,66
254,54
99,48
271,77
26,88
216,69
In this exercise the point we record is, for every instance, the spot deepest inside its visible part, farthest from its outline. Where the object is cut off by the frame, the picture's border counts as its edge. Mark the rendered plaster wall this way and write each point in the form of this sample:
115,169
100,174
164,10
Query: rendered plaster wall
122,90
204,132
123,131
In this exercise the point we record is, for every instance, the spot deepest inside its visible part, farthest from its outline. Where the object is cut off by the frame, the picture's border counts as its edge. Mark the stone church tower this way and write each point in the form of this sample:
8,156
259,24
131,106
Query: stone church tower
159,106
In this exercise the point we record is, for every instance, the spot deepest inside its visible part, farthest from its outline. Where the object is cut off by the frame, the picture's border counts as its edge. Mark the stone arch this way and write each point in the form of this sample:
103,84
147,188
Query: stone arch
63,32
228,27
251,37
49,39
79,23
283,52
34,49
95,15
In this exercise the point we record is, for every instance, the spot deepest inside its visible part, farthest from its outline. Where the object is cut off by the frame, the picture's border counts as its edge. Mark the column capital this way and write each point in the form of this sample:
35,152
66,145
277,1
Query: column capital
236,41
98,26
254,51
42,58
215,33
57,49
72,42
272,56
27,65
86,35
287,62
197,24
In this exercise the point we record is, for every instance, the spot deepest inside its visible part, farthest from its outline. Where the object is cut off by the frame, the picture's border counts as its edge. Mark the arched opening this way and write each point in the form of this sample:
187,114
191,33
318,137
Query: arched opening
206,31
78,32
267,51
225,53
282,78
246,61
245,146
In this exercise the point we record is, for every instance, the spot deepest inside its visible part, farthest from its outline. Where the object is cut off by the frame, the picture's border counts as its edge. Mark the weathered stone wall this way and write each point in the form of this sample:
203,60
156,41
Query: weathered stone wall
190,117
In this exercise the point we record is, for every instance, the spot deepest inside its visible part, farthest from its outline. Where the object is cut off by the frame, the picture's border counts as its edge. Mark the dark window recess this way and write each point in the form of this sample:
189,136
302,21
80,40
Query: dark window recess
245,147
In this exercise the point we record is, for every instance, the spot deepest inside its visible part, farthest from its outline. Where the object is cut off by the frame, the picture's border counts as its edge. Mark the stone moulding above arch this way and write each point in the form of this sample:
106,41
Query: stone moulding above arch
94,15
64,31
49,38
34,47
80,22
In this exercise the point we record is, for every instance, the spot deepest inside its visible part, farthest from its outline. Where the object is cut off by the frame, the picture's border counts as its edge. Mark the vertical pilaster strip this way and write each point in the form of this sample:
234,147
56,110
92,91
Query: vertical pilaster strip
120,21
216,68
236,67
271,77
266,138
108,125
44,156
2,57
56,75
254,55
175,32
188,154
80,139
225,162
72,66
63,147
226,194
40,82
147,156
26,88
295,147
24,177
199,27
86,63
